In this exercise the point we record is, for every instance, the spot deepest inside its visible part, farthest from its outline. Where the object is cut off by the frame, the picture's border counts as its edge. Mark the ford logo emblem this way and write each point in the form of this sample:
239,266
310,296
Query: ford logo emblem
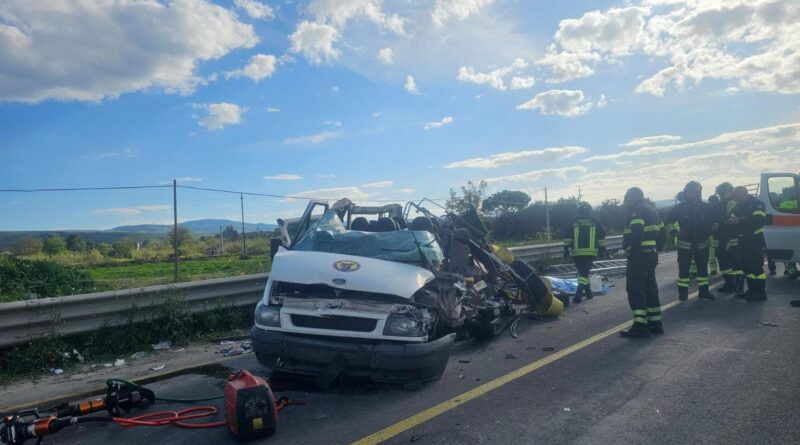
339,281
346,266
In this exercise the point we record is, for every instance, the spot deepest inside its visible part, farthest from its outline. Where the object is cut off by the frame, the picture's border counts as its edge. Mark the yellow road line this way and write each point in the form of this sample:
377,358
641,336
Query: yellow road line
434,411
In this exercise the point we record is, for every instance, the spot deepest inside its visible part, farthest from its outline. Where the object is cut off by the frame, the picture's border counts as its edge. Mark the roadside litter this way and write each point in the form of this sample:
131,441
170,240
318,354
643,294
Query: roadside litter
230,348
164,344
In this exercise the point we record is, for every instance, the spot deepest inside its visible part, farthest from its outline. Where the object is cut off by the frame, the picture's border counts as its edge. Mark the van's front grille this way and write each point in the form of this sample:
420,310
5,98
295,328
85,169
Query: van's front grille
335,322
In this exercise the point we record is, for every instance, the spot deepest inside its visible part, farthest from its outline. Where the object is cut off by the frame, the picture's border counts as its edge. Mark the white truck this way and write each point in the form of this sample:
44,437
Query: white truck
384,301
779,192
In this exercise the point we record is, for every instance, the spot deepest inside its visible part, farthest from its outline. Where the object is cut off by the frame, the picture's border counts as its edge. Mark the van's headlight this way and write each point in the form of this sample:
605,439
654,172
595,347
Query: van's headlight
268,315
402,326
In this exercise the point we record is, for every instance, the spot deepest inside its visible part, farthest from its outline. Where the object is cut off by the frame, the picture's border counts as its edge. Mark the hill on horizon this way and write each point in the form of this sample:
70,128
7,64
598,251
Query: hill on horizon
198,226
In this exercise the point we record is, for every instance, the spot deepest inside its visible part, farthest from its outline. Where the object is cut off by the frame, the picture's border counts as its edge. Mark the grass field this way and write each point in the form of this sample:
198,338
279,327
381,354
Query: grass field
129,275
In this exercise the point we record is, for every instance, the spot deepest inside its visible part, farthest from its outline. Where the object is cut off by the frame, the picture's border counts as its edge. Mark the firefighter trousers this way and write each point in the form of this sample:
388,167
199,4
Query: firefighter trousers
640,282
685,257
752,256
584,265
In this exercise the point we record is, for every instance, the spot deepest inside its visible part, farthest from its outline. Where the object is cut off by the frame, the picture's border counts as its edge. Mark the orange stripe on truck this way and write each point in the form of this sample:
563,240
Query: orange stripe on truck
786,220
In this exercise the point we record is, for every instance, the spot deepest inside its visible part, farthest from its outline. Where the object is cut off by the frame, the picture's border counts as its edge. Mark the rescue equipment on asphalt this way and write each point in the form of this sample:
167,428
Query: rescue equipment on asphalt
250,411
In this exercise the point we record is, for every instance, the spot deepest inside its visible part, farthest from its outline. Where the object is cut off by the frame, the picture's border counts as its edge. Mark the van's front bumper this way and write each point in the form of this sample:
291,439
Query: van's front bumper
380,361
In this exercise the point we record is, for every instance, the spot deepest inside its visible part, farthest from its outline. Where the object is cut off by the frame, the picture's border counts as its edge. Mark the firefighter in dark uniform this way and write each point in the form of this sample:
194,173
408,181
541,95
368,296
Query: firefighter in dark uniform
713,263
748,217
584,239
643,236
727,252
695,219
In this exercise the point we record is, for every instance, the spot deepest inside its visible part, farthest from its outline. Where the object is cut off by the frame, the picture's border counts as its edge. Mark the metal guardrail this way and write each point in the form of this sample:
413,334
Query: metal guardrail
542,252
22,321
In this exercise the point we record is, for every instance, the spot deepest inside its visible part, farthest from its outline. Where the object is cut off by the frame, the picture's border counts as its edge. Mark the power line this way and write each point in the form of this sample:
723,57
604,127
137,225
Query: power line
76,189
234,192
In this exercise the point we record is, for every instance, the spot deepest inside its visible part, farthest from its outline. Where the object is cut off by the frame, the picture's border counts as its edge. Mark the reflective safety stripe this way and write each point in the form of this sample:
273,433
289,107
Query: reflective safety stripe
683,245
733,243
727,271
639,312
640,319
654,309
653,228
582,280
758,231
702,281
648,243
684,282
584,252
759,213
654,317
627,232
602,243
762,276
737,272
637,221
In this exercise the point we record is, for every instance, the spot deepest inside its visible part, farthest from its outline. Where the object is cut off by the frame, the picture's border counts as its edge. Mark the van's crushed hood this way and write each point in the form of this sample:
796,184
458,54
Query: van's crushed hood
349,272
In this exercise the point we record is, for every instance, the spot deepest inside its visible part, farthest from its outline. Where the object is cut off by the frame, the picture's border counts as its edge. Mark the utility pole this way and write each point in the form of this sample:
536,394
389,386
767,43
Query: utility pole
579,196
244,242
547,213
175,224
222,239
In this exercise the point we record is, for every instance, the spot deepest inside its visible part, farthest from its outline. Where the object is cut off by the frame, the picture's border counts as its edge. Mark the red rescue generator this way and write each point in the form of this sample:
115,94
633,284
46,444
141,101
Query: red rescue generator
249,406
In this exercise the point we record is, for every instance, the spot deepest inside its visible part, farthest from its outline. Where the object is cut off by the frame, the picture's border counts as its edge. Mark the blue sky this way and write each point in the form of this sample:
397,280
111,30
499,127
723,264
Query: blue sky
312,98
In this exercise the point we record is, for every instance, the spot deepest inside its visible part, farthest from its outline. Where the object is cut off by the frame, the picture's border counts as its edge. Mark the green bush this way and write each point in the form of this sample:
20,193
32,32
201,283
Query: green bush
19,278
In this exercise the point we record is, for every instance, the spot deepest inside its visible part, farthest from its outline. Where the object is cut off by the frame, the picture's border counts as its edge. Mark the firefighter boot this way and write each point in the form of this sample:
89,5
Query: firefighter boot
683,293
655,327
578,294
756,290
704,293
728,287
740,287
638,330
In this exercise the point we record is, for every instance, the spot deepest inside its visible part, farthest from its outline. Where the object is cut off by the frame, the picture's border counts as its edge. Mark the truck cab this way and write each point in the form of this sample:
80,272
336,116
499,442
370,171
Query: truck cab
779,192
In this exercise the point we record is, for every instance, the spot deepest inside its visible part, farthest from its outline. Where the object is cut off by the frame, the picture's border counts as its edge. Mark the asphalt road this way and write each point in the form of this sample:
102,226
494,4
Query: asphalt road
726,372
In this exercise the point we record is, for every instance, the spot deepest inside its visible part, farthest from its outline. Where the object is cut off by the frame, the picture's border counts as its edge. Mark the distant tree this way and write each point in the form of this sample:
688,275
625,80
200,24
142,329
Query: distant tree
104,248
76,244
471,196
230,234
123,248
28,247
53,245
184,237
506,201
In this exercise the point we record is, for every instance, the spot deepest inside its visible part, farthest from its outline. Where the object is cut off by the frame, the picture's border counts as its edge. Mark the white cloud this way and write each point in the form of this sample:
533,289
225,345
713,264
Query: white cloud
495,78
327,176
386,56
522,83
378,185
406,190
339,12
648,140
273,110
315,41
255,9
445,10
566,66
260,66
602,101
333,123
439,124
283,177
569,103
536,175
518,157
335,88
615,32
313,139
134,46
751,45
129,211
780,135
219,115
411,85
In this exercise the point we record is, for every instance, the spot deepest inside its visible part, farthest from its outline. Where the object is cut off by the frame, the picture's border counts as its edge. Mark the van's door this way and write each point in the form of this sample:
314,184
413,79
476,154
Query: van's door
779,192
